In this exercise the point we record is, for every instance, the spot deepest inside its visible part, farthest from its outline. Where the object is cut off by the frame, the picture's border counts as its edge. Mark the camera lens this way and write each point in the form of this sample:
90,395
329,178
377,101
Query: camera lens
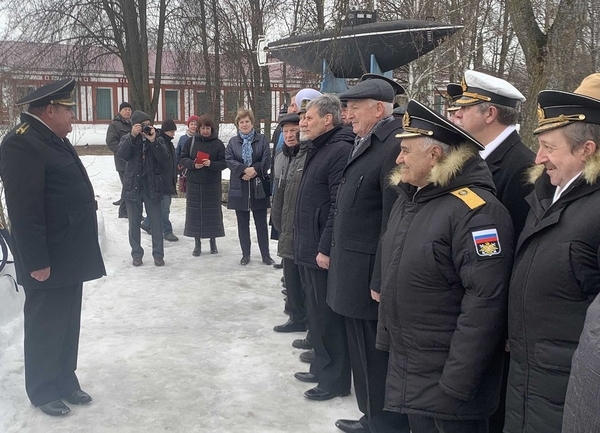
147,129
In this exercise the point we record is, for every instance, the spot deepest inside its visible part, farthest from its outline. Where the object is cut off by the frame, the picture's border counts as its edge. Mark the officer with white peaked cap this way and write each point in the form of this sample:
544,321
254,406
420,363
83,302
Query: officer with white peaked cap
490,110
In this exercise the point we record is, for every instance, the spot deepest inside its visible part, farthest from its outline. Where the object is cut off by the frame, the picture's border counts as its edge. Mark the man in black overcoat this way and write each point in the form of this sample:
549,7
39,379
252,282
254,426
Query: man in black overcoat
363,204
490,110
52,210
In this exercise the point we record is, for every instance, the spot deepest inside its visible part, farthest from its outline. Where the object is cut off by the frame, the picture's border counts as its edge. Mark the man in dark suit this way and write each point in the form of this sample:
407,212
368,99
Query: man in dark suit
364,200
489,110
52,210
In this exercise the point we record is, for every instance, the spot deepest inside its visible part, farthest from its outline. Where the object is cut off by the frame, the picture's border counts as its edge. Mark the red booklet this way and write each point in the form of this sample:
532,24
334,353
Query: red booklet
201,156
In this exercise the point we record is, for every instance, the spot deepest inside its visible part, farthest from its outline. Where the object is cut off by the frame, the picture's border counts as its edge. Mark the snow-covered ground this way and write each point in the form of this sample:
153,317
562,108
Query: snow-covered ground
188,347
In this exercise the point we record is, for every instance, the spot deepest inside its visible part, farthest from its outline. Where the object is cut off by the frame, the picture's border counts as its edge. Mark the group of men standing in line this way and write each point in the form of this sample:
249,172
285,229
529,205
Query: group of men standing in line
413,244
410,275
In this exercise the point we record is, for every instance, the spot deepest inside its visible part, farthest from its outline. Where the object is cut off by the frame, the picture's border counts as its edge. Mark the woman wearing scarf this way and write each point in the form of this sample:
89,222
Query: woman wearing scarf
248,156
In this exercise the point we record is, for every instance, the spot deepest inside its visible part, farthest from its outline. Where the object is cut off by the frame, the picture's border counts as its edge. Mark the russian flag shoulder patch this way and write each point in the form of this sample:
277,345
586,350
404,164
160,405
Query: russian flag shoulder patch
487,242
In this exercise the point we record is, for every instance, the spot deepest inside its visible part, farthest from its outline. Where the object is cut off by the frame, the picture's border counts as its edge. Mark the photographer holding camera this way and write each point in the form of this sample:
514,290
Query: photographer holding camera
148,162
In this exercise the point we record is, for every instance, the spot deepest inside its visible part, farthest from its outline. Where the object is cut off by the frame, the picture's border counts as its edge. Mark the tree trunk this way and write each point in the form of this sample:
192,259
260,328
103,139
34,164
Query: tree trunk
548,56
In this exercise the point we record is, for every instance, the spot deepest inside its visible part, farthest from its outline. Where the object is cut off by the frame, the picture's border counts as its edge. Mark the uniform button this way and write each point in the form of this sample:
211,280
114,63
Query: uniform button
333,243
335,212
343,180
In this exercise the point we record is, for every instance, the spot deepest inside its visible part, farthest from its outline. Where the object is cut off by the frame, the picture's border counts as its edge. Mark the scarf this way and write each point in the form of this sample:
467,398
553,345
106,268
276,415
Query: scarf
358,141
247,147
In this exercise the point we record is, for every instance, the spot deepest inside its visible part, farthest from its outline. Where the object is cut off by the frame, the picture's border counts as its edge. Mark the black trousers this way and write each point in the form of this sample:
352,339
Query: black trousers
327,334
369,370
294,303
122,206
424,424
262,231
52,320
154,213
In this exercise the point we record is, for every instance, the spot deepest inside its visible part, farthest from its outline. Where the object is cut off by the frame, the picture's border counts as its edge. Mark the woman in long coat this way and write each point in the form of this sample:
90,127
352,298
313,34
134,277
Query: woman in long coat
204,216
248,156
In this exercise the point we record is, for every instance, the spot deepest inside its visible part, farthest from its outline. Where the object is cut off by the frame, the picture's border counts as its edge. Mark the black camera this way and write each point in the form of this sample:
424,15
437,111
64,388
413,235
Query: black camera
147,129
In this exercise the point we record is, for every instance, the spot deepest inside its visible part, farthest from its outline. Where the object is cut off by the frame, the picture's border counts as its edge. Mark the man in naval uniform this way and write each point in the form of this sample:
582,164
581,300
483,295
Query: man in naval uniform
52,210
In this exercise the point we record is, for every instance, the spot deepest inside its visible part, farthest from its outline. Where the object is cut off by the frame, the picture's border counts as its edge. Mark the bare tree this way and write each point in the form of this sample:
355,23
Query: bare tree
547,45
93,30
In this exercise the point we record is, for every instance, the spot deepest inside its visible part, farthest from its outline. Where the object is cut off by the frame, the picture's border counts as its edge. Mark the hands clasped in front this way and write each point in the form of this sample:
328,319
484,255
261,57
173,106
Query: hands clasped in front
249,173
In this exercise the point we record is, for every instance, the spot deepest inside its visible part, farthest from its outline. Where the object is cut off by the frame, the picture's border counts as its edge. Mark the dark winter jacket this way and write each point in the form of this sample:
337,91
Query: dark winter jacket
555,278
204,214
285,199
240,195
364,200
117,129
216,150
443,297
52,207
582,401
170,178
508,164
147,166
322,175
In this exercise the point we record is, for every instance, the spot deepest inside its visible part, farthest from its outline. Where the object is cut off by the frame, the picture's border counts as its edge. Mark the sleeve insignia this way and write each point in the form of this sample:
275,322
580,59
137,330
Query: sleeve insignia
487,243
22,129
469,197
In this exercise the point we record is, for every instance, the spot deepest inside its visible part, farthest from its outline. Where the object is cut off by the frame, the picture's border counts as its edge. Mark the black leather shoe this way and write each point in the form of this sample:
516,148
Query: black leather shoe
319,394
146,228
159,261
78,397
118,202
351,426
55,408
278,265
308,356
290,326
171,237
302,344
267,260
306,377
284,292
245,260
137,262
